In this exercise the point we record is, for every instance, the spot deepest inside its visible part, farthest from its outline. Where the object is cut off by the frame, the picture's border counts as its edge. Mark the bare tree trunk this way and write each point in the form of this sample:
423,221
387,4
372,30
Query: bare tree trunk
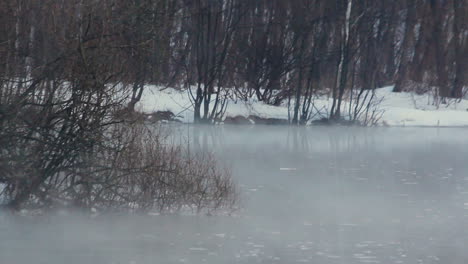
406,49
342,73
297,101
460,51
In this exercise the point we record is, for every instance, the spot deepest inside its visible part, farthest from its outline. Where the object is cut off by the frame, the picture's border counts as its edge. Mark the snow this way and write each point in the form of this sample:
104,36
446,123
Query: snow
399,109
160,99
409,109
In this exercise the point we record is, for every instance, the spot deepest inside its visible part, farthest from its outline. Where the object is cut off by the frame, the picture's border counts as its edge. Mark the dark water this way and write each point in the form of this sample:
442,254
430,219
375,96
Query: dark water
309,195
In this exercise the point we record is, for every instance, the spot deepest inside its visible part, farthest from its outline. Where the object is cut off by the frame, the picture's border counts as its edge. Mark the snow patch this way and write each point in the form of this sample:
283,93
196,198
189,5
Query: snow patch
400,109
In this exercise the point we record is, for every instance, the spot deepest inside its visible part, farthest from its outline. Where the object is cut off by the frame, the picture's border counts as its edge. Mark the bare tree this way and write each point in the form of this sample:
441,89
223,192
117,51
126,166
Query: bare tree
213,25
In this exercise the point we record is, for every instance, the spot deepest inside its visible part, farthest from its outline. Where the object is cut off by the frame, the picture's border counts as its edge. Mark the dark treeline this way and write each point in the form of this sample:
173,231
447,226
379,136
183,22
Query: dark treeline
272,50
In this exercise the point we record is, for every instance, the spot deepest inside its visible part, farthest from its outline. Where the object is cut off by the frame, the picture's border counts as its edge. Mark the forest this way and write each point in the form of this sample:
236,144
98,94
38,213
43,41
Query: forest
274,51
72,72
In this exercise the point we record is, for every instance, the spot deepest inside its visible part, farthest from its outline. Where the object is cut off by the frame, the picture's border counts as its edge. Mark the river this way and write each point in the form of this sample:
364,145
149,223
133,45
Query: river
308,195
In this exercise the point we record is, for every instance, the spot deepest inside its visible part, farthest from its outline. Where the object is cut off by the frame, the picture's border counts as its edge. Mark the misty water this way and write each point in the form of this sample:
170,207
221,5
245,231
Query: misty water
308,195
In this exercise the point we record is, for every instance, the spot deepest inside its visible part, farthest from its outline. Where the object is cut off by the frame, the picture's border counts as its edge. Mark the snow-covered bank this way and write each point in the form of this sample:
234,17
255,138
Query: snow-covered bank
399,109
409,109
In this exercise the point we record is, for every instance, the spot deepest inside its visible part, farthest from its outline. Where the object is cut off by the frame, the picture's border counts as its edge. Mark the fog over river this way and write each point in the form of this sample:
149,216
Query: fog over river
308,195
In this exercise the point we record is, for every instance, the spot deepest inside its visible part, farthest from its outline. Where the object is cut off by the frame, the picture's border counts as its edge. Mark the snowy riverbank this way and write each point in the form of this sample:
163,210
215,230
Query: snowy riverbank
398,109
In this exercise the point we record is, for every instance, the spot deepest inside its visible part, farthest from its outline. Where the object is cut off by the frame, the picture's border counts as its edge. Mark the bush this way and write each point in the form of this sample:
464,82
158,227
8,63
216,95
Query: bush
134,168
143,172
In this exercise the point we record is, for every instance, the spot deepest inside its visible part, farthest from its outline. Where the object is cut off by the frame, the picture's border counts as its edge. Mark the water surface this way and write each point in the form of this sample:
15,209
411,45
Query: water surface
309,195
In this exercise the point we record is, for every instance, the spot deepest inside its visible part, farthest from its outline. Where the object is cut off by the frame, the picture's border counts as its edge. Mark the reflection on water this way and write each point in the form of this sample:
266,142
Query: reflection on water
310,195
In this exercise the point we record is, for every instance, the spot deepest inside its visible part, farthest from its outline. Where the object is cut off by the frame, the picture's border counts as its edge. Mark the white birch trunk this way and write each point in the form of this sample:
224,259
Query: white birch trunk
344,44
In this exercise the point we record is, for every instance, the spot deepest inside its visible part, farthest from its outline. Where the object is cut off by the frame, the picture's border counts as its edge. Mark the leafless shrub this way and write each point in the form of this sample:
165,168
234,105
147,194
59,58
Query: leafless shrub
364,107
312,111
434,97
147,173
136,169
